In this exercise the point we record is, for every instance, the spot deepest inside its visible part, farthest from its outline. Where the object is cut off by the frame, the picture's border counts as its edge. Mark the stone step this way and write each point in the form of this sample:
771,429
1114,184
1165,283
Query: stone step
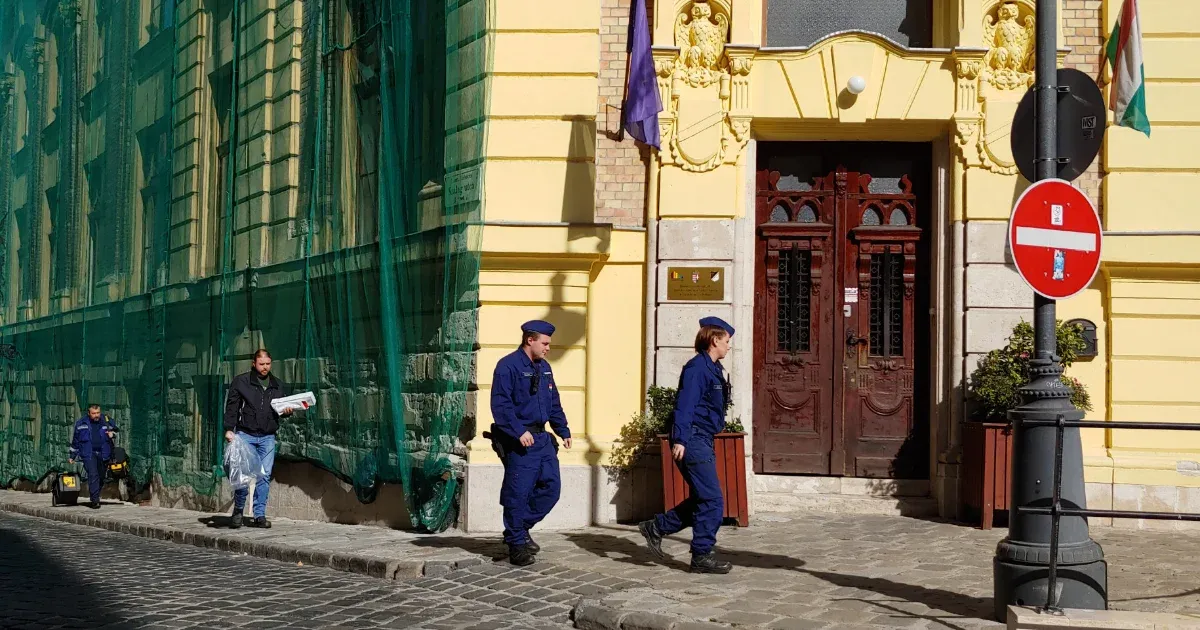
803,484
1025,618
779,502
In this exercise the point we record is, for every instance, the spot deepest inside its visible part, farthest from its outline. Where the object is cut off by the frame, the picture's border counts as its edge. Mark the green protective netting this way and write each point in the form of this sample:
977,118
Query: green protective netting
192,180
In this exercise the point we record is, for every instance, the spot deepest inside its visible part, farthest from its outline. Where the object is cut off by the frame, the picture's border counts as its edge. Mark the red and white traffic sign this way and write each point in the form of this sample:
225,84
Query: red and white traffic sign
1055,236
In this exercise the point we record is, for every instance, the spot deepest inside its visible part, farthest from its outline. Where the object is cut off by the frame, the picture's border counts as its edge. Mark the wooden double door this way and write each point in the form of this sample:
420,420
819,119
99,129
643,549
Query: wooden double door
836,303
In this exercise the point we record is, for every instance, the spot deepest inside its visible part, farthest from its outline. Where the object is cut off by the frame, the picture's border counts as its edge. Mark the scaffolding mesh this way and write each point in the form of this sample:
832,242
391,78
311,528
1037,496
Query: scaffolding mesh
191,180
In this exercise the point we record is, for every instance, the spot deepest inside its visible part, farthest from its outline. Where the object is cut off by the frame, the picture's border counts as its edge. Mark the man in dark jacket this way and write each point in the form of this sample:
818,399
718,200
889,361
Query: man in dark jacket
248,412
92,443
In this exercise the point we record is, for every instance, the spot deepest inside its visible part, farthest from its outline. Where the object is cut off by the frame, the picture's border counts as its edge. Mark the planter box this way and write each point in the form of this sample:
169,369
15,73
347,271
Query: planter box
730,449
986,470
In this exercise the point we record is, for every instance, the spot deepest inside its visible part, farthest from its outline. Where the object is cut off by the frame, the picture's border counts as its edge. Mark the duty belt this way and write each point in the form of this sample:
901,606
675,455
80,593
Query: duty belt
540,428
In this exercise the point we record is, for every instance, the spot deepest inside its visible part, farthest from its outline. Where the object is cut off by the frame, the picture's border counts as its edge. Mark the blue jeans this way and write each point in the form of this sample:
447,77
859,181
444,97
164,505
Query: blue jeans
264,445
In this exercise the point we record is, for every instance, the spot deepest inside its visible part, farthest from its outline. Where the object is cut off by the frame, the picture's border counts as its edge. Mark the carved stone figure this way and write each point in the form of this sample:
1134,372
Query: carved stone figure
1009,61
701,42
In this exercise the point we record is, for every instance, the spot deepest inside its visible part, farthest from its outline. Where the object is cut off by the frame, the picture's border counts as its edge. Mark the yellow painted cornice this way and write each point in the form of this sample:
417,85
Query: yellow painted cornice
559,246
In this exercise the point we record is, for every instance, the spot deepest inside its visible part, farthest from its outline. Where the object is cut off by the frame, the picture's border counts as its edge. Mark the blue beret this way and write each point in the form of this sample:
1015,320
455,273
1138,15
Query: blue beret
718,322
538,326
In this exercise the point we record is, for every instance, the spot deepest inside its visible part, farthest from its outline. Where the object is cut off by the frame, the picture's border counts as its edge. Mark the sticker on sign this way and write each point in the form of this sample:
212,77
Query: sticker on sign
1055,238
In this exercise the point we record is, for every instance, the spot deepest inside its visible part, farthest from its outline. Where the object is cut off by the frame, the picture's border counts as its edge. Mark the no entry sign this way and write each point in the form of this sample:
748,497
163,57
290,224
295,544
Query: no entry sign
1054,235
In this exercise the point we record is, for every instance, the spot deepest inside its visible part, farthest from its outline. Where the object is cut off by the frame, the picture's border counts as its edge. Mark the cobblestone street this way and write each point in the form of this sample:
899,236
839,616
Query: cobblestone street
804,570
55,575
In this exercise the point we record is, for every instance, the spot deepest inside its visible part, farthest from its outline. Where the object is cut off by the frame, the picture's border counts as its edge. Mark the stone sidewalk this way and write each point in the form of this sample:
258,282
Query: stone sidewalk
851,571
373,551
806,570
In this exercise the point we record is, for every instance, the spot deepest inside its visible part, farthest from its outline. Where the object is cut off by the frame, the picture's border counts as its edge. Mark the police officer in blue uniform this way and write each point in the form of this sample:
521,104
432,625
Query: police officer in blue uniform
92,442
700,404
524,399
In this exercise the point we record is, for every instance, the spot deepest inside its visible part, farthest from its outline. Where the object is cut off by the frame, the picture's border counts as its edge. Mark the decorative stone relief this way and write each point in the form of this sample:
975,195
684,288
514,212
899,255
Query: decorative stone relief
705,87
701,37
991,86
1008,63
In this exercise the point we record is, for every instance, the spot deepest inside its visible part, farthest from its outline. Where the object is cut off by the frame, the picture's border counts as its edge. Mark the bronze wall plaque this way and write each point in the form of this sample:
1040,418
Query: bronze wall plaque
696,284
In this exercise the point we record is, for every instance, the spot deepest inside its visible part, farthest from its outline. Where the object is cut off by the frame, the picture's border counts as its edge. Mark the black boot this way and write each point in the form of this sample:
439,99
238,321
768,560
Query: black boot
708,563
520,555
261,521
649,530
533,547
95,505
235,521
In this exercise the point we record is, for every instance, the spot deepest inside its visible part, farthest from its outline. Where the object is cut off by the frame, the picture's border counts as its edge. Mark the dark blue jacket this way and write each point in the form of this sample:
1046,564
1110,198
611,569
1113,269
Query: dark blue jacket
700,401
515,407
88,437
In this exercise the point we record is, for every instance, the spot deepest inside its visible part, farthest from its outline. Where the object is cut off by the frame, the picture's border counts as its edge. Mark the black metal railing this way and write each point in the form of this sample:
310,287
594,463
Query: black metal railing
1056,511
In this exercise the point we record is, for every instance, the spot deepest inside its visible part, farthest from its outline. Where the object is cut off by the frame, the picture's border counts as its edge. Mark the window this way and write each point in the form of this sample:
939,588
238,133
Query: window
804,22
156,209
887,305
218,182
101,223
792,319
161,16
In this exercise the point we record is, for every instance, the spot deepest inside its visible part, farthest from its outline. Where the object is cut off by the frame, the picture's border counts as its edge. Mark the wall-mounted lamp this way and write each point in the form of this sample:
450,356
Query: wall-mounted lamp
856,84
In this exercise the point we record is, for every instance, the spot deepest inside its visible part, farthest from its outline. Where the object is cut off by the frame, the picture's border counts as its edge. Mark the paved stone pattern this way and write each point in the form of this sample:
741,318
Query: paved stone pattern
55,575
373,551
808,570
841,571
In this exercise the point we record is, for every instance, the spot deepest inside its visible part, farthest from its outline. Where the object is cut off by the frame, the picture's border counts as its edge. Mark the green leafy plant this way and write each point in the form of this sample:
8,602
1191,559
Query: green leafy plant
994,384
645,426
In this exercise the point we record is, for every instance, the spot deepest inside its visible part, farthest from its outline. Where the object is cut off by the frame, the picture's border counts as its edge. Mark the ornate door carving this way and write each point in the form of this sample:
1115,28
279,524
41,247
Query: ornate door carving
795,353
834,355
880,262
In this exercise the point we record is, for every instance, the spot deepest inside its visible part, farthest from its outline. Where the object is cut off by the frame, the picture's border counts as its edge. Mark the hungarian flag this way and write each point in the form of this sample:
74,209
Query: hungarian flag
1124,52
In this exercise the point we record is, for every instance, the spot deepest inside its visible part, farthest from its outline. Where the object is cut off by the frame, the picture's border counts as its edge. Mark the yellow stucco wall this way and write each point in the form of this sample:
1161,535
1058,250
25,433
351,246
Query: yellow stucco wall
1152,282
543,257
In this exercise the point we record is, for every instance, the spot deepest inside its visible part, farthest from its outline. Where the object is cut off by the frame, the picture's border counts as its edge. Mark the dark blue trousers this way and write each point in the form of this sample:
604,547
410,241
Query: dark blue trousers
531,487
94,465
705,507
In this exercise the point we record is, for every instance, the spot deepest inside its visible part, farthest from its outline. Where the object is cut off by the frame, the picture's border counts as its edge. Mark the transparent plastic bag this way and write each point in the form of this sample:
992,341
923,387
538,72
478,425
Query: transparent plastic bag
241,463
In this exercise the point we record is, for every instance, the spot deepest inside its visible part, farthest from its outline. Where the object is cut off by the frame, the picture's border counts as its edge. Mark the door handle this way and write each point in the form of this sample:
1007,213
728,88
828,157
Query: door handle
857,347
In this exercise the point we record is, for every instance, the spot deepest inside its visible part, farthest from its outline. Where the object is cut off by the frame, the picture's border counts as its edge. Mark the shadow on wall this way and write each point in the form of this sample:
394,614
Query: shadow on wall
303,491
36,587
638,493
579,185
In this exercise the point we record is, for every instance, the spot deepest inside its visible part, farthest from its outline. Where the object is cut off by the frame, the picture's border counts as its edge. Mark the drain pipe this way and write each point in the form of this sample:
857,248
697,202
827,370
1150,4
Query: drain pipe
651,319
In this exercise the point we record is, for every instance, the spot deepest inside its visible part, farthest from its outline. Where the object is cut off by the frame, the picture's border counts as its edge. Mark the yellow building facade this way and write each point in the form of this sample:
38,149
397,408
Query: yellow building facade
225,174
847,178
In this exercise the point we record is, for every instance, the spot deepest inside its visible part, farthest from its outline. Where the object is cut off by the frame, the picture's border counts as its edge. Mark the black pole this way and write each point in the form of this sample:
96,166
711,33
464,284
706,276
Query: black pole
1021,565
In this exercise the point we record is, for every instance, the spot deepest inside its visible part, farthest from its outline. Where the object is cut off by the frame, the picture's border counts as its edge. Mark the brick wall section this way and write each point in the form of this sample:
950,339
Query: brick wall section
620,164
1083,34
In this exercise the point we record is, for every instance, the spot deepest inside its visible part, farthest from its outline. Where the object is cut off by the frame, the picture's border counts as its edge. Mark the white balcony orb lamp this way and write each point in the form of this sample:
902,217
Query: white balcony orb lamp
856,84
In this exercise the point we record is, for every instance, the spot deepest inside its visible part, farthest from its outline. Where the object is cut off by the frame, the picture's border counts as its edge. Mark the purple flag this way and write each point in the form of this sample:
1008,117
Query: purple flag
639,113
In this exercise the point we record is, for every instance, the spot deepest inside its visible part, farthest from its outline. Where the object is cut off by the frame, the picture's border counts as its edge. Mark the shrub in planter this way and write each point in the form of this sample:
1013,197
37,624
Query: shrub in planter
994,384
645,426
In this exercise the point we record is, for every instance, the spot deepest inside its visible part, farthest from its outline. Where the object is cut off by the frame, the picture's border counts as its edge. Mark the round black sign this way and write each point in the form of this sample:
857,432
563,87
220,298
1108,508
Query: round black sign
1081,124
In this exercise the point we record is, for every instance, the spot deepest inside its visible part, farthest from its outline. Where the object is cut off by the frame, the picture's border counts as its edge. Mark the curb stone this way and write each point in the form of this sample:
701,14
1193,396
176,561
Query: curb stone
590,614
371,566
